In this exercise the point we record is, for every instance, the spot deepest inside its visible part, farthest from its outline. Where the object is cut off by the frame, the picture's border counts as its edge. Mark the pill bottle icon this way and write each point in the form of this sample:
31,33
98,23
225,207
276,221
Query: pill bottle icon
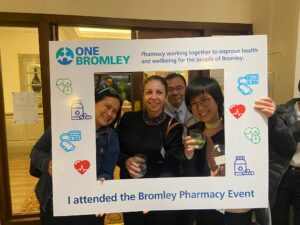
240,165
76,109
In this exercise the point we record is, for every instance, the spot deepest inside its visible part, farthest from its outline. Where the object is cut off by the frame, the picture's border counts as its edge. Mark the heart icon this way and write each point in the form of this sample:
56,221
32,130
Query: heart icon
64,85
82,166
253,134
237,110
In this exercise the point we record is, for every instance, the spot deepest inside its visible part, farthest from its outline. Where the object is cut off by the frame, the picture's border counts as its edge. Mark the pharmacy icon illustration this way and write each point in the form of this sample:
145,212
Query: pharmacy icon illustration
240,167
64,85
67,138
82,166
252,134
245,83
77,111
237,110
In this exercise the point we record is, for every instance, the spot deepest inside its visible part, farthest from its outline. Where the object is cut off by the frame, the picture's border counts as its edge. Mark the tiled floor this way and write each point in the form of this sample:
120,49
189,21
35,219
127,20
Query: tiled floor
21,183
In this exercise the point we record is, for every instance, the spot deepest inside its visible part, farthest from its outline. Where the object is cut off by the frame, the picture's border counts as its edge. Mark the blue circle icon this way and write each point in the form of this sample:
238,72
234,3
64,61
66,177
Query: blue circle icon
64,56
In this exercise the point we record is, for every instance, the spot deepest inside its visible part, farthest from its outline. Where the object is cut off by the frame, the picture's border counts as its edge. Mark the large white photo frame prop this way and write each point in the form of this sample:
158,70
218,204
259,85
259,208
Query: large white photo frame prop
72,66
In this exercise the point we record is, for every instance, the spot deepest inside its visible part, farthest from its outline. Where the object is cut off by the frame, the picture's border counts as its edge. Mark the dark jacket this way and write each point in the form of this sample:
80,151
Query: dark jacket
284,133
163,151
107,153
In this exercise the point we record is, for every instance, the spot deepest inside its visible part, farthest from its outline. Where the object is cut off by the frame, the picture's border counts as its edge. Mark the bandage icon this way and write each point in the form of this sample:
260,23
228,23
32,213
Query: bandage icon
67,138
245,82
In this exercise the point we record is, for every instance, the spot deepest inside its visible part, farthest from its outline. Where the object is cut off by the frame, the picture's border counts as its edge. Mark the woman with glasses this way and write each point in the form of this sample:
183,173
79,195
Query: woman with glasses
151,147
107,112
205,100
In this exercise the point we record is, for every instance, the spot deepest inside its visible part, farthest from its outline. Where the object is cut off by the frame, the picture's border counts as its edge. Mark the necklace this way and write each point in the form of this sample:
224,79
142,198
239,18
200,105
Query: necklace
154,120
212,129
214,125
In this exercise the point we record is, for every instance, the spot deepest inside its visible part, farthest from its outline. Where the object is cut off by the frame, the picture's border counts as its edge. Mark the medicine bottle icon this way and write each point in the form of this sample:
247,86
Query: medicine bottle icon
76,110
240,165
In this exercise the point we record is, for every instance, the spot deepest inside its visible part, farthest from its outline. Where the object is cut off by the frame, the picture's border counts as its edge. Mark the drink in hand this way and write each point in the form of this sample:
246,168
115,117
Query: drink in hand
142,161
199,137
200,142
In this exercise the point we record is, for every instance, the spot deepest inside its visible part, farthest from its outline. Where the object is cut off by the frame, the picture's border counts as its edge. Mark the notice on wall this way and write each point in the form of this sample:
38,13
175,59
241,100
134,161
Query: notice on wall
25,107
242,60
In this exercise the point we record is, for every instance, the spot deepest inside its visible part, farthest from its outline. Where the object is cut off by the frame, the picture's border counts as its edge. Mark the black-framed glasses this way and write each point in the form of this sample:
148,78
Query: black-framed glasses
203,102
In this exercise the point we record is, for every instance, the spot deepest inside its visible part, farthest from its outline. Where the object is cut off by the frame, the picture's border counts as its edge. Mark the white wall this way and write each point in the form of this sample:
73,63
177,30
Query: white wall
231,11
279,20
12,43
276,18
283,39
297,70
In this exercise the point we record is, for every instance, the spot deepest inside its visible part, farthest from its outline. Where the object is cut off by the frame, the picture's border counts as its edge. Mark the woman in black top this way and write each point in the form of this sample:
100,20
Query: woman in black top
148,132
205,100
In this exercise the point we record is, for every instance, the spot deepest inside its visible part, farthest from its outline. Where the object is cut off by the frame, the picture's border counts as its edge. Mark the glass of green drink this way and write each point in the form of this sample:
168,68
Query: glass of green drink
199,137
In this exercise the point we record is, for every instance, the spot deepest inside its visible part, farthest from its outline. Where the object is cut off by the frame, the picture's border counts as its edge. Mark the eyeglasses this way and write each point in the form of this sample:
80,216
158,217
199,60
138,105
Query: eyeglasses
203,102
177,88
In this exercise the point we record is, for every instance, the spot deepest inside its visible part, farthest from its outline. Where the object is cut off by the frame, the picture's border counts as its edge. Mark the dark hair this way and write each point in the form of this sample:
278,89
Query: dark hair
157,78
101,94
299,85
201,85
174,75
108,77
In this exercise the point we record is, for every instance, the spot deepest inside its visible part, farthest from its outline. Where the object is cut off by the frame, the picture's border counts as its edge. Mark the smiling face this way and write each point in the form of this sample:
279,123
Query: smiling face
154,98
106,111
176,91
205,108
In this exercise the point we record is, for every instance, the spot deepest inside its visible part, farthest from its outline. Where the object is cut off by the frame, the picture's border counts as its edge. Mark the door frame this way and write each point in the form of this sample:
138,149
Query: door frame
47,25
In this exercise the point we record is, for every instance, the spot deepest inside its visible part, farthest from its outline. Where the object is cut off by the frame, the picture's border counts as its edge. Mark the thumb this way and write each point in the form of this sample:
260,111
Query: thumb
145,211
102,179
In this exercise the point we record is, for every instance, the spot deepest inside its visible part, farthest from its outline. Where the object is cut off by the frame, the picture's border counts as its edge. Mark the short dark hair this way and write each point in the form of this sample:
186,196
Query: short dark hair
200,85
101,94
157,78
108,77
299,85
174,75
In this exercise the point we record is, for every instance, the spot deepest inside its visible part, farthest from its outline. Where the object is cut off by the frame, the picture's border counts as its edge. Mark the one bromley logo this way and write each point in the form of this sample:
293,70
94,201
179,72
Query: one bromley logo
64,56
83,56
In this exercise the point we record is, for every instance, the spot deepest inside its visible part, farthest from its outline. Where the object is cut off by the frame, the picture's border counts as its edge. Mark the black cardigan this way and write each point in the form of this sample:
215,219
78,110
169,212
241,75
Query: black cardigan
136,137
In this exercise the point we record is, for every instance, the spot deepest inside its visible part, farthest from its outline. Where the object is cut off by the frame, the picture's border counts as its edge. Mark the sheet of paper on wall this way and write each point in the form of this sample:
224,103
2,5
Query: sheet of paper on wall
25,107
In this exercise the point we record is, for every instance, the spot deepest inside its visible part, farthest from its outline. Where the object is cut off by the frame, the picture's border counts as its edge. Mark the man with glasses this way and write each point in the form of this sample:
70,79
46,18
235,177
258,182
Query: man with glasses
175,105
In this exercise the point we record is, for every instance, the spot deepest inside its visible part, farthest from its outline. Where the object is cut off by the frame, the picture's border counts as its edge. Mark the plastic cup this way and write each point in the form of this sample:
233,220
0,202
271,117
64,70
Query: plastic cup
199,137
142,161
